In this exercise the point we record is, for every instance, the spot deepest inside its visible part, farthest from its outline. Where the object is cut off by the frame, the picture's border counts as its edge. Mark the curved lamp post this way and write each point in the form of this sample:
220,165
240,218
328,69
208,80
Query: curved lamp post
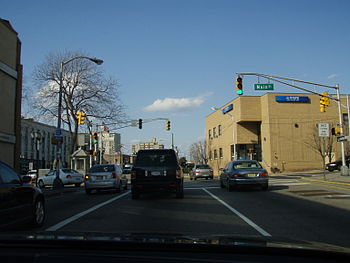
57,182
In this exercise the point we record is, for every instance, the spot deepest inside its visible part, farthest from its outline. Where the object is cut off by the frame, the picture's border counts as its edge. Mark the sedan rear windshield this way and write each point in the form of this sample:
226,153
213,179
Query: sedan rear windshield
102,168
246,165
156,158
203,166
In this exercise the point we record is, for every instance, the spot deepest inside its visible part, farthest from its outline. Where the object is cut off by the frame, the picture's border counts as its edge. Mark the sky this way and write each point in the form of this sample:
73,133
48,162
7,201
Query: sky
176,59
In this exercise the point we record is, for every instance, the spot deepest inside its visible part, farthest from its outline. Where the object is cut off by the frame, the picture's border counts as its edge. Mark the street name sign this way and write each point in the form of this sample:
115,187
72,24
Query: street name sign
323,129
265,86
342,138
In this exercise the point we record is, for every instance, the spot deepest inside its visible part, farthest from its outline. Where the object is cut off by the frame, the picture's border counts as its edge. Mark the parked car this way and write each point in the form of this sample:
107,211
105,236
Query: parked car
244,172
127,168
20,202
67,176
337,164
201,171
104,177
156,170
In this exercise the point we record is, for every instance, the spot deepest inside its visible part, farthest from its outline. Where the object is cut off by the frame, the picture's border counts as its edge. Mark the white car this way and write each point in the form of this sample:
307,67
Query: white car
67,176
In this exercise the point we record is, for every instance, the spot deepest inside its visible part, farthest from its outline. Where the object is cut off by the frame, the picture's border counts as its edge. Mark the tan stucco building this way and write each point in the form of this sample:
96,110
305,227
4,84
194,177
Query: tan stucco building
275,128
10,95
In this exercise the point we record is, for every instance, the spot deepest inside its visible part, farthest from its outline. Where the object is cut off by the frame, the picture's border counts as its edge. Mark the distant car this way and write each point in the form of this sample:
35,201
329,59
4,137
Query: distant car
127,168
244,172
337,164
156,170
104,177
201,171
67,176
20,202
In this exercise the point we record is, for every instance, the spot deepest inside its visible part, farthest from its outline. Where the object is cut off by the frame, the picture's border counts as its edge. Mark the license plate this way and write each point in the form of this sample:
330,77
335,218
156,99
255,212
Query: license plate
156,173
251,175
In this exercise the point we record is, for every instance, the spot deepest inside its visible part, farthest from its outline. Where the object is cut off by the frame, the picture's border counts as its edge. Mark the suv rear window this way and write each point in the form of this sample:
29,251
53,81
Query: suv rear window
102,168
156,158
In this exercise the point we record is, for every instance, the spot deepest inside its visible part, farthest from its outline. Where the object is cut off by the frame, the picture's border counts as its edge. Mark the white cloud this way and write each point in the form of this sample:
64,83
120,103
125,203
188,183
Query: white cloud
176,104
332,76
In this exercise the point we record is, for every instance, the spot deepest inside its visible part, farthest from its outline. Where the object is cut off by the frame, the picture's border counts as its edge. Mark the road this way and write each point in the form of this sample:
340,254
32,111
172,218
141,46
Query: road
292,207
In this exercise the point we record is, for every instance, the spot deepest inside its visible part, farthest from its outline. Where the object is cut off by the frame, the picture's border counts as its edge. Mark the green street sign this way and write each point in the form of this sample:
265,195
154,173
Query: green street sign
266,86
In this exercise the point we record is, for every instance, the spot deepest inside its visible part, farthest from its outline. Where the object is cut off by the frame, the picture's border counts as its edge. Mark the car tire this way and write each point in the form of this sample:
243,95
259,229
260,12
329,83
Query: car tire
211,177
135,194
77,185
88,191
119,188
221,184
195,178
41,184
191,178
265,187
229,187
206,178
38,213
180,193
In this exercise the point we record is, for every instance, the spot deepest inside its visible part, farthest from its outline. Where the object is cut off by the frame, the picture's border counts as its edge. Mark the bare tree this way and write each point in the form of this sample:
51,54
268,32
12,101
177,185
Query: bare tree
198,152
322,145
85,88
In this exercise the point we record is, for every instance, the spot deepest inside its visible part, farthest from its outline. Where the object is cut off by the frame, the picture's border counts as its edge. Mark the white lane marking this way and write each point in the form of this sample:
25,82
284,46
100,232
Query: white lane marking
243,217
77,216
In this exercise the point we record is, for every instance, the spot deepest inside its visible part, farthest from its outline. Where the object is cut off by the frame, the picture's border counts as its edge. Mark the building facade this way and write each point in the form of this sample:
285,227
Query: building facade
11,93
276,129
37,151
152,144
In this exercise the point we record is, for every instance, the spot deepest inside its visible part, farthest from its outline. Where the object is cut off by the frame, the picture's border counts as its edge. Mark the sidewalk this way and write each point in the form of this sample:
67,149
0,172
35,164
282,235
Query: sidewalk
319,175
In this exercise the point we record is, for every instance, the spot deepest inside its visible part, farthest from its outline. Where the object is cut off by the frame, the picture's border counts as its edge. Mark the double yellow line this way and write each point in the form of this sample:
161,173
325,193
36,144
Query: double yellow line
328,182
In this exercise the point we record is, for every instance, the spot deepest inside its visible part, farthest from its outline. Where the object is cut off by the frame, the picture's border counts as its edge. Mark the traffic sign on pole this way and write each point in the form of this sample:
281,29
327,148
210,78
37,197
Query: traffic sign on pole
265,86
323,129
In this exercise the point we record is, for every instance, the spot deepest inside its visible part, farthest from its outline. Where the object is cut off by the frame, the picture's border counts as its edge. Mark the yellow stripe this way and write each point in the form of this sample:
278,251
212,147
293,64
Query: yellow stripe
321,181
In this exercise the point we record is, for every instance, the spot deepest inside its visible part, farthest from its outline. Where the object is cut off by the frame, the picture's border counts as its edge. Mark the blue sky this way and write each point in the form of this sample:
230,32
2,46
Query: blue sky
176,59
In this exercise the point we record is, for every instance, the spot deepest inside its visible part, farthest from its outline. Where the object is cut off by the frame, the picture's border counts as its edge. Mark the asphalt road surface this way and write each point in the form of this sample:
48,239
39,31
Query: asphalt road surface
292,208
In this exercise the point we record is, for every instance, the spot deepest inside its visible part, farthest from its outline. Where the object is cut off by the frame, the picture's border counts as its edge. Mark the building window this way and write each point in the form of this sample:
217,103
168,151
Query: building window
214,132
220,153
209,134
219,130
215,154
210,156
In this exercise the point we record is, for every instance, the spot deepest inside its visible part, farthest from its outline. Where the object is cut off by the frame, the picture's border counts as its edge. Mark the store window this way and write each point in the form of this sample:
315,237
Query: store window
209,134
219,130
220,153
214,132
215,154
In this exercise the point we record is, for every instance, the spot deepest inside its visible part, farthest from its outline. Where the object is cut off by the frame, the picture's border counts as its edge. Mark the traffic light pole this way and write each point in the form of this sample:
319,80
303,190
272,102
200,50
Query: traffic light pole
344,168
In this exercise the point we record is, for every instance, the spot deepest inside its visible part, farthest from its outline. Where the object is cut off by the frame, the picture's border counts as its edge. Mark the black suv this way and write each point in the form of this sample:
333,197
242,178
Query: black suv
156,170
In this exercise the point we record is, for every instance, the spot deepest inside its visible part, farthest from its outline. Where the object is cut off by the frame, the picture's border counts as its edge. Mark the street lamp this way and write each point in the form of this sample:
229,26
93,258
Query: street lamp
57,182
233,132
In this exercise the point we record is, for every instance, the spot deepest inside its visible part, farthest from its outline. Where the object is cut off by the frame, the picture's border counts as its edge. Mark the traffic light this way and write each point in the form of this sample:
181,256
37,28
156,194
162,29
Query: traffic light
81,117
324,102
95,138
167,125
336,130
140,123
239,86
